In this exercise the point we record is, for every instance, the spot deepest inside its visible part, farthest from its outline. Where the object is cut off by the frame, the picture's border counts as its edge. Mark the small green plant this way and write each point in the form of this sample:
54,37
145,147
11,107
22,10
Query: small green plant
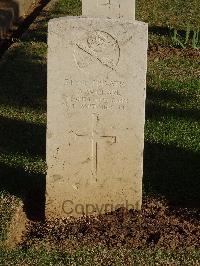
191,38
196,39
175,38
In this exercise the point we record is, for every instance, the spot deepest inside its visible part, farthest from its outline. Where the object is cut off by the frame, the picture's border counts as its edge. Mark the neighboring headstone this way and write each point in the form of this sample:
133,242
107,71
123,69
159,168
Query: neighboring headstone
23,6
11,12
96,115
109,8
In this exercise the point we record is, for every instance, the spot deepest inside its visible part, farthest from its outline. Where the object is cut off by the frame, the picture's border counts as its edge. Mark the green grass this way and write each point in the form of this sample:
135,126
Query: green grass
161,15
176,13
172,132
100,256
68,7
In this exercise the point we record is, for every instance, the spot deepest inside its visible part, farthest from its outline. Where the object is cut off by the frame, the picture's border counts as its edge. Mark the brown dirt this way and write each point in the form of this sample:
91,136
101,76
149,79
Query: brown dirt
156,226
157,51
17,227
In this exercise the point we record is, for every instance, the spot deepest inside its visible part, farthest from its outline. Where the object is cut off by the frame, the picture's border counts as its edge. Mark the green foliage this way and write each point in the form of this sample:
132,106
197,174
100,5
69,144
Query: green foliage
190,38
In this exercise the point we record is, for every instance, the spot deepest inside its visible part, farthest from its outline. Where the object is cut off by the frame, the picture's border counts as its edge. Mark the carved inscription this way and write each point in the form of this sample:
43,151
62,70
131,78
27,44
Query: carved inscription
95,95
104,3
110,4
109,8
95,143
97,50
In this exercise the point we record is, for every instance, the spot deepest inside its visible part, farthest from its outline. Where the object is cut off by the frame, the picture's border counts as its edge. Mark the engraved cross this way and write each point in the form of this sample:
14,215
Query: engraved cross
95,143
107,4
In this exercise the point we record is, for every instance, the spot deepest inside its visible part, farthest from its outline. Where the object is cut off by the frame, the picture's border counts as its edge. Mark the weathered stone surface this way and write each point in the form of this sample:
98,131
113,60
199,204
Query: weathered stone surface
109,8
96,115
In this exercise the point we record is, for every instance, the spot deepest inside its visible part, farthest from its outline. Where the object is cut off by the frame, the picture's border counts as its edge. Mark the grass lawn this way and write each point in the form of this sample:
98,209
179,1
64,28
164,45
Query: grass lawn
99,256
172,131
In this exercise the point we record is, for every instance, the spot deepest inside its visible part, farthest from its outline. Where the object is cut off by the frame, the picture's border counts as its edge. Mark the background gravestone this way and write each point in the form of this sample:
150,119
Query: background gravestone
10,12
109,8
96,115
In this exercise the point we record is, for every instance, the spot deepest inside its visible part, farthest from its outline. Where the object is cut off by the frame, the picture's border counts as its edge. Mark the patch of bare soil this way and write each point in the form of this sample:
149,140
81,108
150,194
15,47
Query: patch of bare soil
155,226
17,227
157,51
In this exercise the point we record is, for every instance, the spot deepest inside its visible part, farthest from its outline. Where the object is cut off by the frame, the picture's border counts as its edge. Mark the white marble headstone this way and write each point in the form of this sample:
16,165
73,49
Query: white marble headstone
96,115
109,8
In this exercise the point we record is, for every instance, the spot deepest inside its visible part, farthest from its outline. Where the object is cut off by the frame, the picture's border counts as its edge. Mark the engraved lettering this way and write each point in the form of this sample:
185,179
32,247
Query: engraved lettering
95,94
